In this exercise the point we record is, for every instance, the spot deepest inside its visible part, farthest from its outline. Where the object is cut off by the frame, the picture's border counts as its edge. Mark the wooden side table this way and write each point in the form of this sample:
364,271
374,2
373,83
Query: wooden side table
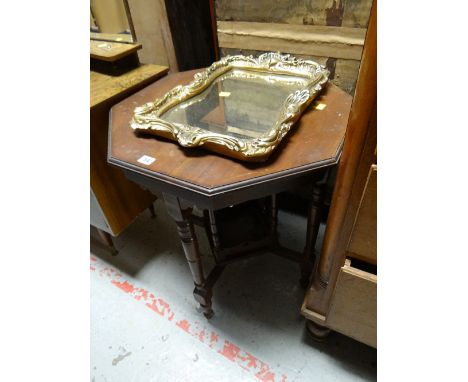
195,177
115,201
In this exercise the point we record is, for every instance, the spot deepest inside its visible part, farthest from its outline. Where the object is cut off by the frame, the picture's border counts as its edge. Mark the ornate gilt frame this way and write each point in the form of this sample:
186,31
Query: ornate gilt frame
147,119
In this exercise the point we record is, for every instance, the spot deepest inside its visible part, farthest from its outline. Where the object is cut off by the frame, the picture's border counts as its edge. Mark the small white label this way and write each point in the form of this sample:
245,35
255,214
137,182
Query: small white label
224,94
145,159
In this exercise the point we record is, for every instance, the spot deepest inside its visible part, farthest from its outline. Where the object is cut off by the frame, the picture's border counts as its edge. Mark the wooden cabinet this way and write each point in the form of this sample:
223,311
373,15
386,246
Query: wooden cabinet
342,292
115,201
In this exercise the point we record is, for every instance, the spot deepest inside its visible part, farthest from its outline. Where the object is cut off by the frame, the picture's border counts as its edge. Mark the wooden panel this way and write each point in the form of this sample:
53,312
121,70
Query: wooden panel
325,41
120,199
344,73
300,28
111,51
355,13
363,243
316,137
97,217
353,309
350,13
104,88
192,33
153,32
110,15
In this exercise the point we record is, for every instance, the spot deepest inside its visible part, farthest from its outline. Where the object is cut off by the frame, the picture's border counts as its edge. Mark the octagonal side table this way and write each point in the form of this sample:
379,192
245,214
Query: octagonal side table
195,177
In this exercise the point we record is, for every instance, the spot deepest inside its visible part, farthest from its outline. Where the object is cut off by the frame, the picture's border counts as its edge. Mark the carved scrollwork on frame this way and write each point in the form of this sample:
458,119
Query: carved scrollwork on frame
147,118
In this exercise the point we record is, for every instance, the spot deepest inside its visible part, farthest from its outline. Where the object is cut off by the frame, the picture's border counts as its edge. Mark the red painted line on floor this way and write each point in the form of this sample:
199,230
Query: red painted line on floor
162,308
230,351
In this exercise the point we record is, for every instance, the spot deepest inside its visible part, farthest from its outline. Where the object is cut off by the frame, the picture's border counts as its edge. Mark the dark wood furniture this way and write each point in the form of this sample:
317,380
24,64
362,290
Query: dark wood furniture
193,30
343,292
195,177
115,201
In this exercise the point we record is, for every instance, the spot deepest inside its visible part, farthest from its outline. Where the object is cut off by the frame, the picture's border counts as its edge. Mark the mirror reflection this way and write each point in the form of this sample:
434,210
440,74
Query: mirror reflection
110,21
239,103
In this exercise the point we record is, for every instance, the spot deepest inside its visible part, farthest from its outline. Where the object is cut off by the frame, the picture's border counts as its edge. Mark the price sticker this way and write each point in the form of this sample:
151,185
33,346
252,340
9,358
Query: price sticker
145,159
320,106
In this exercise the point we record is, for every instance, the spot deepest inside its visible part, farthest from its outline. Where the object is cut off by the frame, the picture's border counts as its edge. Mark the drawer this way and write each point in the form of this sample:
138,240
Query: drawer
353,309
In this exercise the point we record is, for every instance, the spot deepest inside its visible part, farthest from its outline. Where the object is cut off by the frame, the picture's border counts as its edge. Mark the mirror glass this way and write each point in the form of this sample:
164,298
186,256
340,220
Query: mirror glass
111,21
240,103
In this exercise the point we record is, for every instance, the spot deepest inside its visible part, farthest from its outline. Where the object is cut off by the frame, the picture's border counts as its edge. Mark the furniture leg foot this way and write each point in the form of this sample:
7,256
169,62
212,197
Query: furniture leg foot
208,314
203,295
317,332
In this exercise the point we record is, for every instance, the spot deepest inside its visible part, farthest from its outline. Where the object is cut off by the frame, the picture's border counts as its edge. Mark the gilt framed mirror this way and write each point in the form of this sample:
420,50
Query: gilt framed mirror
241,106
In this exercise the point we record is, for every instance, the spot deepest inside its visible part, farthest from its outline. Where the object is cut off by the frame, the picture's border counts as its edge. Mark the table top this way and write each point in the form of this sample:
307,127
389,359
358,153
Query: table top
314,142
111,51
105,87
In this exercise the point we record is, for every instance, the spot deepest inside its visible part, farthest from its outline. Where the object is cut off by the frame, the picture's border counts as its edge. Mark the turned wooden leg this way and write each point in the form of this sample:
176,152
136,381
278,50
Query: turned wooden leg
313,225
317,332
152,211
107,240
203,291
214,231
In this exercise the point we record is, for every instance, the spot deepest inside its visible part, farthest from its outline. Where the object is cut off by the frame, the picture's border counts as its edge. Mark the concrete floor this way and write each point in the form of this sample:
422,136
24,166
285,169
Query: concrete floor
145,327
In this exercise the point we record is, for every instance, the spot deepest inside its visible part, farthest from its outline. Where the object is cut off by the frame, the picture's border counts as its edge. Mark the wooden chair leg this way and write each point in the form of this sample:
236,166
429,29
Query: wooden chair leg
107,240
